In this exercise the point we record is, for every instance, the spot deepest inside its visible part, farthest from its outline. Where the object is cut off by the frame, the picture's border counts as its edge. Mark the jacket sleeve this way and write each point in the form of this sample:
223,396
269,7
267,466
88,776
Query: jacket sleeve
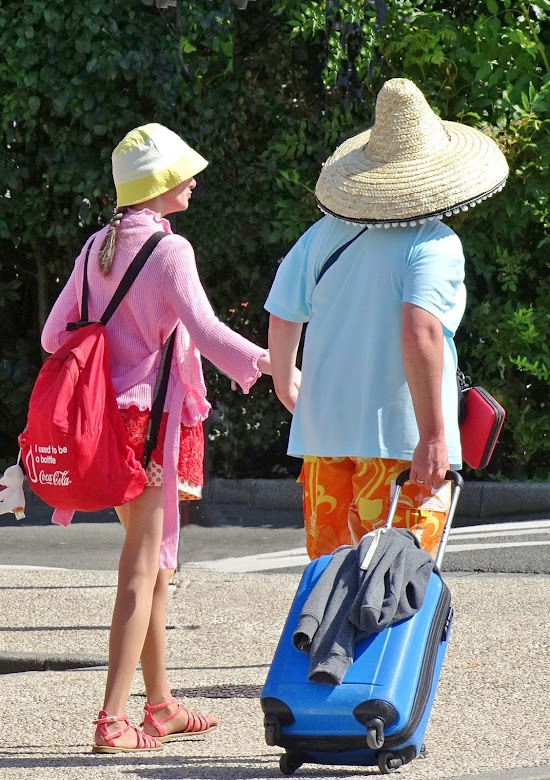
65,309
230,352
323,630
316,605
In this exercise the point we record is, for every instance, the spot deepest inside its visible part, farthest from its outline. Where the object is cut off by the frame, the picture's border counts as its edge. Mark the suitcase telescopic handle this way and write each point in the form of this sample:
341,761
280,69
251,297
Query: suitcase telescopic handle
451,476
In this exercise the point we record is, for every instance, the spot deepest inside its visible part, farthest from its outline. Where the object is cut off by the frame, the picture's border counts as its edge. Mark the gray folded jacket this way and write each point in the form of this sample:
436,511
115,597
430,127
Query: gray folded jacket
349,603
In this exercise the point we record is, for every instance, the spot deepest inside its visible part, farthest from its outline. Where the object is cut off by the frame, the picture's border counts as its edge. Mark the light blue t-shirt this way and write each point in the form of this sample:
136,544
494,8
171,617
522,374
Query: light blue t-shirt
354,399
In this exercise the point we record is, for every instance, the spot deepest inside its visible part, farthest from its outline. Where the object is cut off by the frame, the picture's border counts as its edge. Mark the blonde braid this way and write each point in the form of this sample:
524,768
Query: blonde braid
107,251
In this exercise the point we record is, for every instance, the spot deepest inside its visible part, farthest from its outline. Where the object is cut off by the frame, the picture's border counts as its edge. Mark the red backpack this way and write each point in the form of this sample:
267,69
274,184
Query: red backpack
73,448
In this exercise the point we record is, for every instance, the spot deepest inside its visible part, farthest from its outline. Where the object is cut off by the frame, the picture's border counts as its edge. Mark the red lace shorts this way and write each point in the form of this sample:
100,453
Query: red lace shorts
191,453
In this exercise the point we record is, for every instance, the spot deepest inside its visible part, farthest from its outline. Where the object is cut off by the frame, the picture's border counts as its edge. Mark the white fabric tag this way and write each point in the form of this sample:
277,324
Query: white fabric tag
376,534
440,500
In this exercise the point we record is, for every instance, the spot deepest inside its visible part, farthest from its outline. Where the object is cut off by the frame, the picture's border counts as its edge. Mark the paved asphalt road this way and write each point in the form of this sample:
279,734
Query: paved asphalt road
515,547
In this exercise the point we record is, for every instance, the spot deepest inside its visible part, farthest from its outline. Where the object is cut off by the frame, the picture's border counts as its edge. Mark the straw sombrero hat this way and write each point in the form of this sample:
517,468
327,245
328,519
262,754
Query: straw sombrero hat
410,165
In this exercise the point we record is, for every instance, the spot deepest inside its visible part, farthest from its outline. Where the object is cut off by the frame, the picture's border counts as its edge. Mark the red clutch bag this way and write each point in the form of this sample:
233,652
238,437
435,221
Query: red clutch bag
480,426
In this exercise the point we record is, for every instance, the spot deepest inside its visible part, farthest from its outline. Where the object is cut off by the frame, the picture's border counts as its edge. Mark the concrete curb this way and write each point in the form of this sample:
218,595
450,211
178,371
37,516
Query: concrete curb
481,500
18,662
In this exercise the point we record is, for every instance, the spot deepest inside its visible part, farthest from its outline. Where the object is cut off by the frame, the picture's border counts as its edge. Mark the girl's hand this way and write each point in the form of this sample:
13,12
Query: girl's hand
264,364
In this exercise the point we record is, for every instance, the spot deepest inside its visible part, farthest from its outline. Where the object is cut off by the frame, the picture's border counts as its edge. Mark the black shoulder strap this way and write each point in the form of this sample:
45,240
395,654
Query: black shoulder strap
84,305
131,273
335,255
124,285
159,395
163,374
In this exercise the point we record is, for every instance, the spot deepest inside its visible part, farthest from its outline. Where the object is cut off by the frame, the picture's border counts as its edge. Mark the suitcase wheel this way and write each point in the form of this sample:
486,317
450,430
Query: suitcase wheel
290,762
375,733
389,762
272,731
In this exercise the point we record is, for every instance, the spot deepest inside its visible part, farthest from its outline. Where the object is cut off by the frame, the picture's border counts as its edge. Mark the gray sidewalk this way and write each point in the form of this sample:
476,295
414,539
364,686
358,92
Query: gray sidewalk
491,718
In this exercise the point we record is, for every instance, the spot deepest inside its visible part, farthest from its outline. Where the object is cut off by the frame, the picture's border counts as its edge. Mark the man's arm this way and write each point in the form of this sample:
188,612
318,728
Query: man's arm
283,341
422,354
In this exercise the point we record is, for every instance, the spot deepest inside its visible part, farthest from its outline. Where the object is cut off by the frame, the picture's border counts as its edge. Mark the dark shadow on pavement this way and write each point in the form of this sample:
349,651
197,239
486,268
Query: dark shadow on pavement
260,767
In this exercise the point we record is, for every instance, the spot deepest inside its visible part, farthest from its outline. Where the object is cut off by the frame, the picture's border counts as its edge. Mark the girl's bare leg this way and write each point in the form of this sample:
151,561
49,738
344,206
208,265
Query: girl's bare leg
137,575
153,656
153,661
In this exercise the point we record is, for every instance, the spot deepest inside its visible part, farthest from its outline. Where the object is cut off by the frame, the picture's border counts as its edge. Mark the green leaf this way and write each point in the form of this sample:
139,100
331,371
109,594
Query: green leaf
34,105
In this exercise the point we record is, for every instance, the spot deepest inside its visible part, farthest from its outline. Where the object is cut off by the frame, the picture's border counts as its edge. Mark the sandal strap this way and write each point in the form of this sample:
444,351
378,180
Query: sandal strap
195,722
158,723
103,720
109,719
156,707
143,740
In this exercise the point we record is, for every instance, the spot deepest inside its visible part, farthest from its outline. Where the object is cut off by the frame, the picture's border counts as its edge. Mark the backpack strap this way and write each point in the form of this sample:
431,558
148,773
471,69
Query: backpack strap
335,255
161,385
159,396
84,304
124,285
130,276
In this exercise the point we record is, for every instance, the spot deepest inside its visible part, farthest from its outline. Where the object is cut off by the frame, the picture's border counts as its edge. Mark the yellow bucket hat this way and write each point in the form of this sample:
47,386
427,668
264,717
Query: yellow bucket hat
151,160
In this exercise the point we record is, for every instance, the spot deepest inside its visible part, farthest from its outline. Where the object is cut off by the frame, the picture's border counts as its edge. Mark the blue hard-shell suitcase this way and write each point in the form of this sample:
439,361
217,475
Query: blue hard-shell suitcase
378,714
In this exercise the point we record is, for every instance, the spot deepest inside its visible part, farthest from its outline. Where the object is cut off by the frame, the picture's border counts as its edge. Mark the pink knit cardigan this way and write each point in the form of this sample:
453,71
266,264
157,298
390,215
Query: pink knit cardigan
167,292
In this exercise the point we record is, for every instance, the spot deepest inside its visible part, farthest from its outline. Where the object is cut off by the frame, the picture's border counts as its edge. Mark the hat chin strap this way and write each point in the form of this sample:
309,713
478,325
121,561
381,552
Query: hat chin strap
413,221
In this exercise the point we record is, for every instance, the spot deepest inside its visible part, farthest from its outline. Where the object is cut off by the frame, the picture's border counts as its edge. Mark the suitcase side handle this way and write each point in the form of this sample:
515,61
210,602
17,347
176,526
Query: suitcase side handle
458,482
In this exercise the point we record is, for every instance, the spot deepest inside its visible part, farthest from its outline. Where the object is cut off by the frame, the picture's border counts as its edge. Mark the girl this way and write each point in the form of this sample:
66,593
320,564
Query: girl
153,171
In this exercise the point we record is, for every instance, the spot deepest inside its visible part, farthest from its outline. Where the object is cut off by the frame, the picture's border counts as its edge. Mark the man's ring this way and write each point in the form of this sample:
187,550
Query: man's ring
420,481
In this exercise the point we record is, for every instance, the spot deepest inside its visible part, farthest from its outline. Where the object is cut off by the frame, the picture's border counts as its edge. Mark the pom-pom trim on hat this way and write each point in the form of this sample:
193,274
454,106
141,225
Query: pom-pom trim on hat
418,220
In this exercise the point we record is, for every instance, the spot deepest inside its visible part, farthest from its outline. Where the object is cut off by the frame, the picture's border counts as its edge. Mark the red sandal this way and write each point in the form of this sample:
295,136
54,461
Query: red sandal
196,724
145,742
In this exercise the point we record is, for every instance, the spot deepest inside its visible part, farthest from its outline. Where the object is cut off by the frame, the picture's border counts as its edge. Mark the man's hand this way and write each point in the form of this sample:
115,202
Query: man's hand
430,464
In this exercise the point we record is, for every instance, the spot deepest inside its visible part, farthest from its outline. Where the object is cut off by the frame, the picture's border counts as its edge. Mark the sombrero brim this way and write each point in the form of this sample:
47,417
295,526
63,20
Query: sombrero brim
359,189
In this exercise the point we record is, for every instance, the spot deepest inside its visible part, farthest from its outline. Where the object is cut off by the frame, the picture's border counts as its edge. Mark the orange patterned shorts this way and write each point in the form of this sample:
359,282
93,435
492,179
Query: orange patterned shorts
345,498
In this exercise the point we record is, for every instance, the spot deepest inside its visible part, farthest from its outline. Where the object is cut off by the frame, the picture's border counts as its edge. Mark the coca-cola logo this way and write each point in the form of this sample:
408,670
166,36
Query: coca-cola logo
30,467
55,478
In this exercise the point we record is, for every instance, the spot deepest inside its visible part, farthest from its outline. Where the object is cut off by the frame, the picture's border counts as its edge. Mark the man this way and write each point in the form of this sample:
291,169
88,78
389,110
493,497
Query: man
382,305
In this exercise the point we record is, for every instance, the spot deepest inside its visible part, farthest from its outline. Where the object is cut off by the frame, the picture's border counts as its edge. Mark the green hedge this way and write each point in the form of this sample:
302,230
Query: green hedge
74,77
266,94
